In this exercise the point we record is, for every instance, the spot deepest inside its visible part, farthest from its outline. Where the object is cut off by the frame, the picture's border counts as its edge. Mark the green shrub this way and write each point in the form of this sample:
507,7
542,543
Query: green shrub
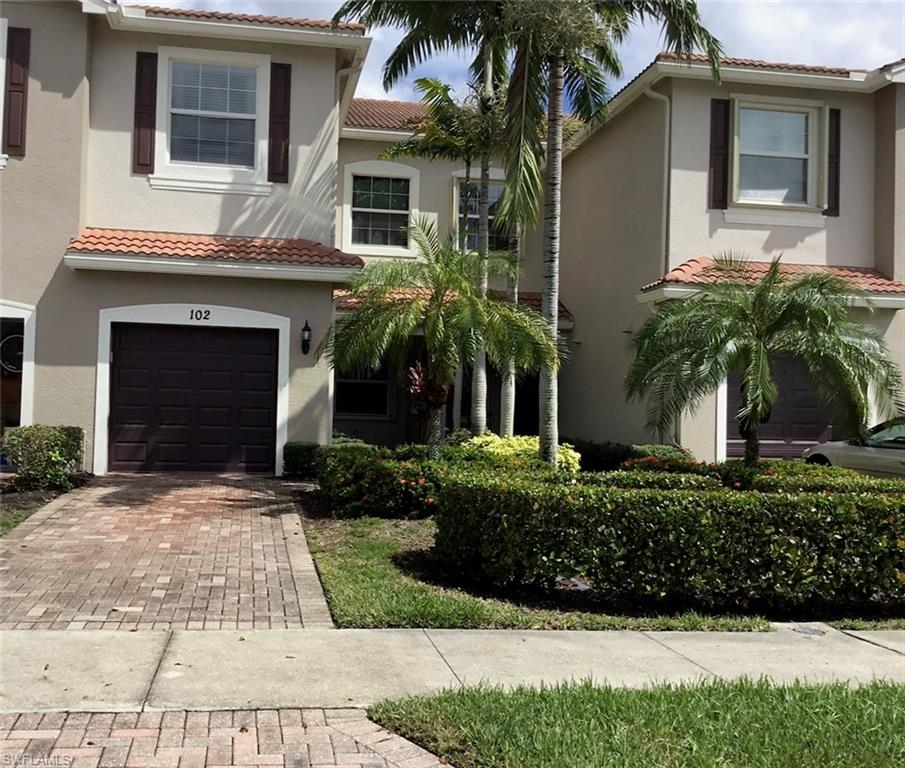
702,548
667,481
301,460
521,452
44,456
663,451
607,456
685,465
363,480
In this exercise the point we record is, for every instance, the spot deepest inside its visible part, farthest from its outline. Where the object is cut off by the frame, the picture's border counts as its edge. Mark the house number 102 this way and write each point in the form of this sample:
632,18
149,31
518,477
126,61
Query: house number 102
199,314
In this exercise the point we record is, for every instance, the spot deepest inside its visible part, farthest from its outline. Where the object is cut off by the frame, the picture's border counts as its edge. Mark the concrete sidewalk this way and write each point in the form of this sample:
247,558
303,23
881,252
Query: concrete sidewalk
107,671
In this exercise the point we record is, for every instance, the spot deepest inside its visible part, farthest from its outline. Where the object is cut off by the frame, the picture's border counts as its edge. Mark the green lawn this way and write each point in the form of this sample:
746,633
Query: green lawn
17,506
741,724
890,623
380,573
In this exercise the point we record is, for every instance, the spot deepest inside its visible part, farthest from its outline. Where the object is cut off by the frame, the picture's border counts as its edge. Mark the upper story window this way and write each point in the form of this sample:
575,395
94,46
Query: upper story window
776,155
213,113
380,200
212,126
380,210
469,223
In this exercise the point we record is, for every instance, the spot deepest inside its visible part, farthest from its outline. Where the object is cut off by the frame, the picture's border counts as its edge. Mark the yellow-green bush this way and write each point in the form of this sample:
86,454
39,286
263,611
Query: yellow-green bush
524,450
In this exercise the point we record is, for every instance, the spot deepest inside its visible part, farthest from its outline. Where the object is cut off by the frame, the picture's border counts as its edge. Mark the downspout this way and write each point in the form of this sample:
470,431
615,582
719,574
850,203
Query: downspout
664,218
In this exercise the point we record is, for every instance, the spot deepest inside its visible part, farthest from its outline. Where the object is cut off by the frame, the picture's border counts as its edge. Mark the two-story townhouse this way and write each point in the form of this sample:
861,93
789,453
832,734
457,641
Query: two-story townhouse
168,201
776,159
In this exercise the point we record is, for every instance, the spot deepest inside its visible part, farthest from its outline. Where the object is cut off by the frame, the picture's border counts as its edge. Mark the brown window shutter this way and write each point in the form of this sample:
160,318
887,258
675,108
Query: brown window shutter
832,167
145,113
18,51
278,131
719,154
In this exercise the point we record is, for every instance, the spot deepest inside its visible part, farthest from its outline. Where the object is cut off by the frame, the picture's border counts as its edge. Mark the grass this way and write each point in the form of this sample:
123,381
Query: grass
867,624
755,725
381,573
17,506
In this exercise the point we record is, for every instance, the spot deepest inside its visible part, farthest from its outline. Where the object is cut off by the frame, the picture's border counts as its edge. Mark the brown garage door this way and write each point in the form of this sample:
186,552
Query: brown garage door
795,423
192,398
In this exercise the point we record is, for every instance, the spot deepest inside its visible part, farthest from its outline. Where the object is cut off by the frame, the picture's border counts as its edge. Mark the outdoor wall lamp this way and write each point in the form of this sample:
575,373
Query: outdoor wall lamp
306,338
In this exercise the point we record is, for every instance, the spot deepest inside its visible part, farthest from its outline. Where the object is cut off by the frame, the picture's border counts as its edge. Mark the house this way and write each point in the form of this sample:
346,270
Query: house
807,163
183,194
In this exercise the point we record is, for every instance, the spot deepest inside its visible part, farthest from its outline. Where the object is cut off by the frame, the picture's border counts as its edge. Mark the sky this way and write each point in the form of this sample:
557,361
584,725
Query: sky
858,34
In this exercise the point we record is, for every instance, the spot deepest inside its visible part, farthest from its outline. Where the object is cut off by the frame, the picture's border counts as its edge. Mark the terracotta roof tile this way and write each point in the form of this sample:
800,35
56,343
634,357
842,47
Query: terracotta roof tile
248,18
384,114
526,299
210,247
729,61
703,271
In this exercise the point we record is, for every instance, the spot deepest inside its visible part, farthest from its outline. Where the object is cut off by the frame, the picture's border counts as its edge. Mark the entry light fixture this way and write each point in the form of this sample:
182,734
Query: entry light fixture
306,338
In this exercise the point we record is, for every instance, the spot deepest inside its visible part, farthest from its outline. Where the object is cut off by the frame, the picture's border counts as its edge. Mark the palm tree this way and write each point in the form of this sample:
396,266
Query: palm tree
431,27
437,294
568,48
687,348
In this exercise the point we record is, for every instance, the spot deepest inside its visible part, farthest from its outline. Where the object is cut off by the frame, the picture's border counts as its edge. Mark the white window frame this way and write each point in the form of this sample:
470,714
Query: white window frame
497,176
211,177
385,169
816,145
4,31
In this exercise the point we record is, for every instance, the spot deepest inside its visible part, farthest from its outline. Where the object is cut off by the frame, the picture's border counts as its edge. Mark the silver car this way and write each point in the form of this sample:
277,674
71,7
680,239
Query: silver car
881,453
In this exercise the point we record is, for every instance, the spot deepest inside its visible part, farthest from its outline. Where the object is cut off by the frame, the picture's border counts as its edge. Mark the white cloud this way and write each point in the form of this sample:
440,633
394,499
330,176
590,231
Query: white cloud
849,33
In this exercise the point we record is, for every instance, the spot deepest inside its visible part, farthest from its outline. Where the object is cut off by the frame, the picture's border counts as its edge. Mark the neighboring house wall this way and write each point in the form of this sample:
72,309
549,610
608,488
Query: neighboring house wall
611,246
889,195
846,240
118,198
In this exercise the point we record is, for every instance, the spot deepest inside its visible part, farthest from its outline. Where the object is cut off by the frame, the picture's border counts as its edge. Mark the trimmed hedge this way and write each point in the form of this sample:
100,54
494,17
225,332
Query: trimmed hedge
713,549
607,456
667,481
301,460
45,456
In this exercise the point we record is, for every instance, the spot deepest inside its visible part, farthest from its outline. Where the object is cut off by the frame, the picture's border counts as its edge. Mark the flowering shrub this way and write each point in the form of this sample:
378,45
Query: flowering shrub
667,464
44,456
522,452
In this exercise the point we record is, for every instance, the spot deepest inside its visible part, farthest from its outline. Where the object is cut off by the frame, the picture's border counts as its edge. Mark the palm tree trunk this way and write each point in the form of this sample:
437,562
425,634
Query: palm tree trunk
464,199
436,431
479,369
507,390
457,399
549,406
751,434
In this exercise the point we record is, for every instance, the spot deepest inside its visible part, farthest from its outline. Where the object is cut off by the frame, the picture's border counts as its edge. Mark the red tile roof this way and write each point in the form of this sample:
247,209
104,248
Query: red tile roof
248,18
703,271
210,247
728,61
528,300
384,114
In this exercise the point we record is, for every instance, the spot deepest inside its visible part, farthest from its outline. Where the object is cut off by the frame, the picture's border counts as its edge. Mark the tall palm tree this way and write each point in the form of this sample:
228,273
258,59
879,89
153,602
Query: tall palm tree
569,48
437,294
687,348
431,27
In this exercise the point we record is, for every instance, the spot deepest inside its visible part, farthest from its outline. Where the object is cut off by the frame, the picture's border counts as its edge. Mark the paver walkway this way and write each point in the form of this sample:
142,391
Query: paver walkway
293,738
162,552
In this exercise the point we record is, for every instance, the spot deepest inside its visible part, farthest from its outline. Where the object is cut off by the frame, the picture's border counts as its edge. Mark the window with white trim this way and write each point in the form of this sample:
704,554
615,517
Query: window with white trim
775,155
380,210
212,113
212,121
499,241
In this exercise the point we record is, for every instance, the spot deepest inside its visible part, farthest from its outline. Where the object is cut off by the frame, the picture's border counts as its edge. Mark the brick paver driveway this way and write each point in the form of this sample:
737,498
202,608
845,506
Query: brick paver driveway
292,738
162,552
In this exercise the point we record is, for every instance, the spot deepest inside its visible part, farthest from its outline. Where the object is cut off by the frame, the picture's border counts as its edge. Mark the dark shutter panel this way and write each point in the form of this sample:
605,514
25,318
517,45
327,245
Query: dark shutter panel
719,154
832,166
145,113
18,51
278,132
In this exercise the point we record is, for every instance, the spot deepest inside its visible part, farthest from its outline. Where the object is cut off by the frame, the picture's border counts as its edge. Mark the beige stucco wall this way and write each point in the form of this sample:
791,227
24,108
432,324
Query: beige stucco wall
889,195
612,199
40,193
68,333
696,231
118,198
